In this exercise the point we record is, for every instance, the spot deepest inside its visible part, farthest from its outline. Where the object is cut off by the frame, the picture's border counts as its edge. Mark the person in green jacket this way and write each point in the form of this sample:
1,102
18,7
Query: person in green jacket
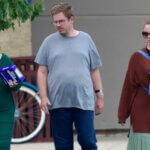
7,107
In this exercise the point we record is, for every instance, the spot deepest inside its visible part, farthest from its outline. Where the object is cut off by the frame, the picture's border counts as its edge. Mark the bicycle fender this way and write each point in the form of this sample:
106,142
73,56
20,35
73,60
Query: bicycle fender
31,86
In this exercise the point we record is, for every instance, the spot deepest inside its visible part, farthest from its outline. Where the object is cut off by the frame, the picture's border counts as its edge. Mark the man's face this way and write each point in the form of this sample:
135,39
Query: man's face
146,34
62,23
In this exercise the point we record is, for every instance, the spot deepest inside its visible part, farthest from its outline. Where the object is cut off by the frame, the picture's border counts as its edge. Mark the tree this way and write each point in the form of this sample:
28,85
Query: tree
20,10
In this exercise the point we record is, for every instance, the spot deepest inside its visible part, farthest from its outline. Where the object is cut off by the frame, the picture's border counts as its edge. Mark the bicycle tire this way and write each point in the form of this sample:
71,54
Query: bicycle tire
29,118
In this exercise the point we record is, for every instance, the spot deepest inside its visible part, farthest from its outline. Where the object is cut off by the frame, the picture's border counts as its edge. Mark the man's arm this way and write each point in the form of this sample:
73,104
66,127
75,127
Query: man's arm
97,83
42,84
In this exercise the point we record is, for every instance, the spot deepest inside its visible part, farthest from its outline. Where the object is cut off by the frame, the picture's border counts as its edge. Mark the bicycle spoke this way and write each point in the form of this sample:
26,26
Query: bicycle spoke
27,105
30,125
18,99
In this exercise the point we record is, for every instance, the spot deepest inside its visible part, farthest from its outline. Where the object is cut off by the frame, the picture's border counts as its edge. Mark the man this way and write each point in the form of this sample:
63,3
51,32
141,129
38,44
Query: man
68,71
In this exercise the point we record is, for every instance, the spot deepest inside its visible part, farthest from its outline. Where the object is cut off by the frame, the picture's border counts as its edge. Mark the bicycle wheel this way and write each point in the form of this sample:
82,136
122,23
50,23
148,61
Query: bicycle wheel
29,118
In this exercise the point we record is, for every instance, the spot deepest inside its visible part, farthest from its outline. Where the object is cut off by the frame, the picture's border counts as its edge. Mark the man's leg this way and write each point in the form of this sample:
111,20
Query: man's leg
84,123
62,128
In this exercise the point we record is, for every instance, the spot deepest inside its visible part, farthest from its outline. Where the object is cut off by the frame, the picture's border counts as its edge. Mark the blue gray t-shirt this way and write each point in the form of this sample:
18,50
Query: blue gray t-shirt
69,61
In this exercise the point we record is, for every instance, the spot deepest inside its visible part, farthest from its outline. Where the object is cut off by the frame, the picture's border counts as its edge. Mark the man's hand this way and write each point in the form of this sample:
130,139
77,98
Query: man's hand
99,104
44,103
12,84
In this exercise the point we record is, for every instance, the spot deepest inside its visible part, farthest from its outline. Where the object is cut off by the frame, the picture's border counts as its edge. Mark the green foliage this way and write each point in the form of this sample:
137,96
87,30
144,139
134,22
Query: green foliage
20,10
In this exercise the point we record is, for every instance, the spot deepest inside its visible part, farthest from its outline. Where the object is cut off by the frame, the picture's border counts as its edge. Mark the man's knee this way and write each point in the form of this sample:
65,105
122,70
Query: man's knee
88,143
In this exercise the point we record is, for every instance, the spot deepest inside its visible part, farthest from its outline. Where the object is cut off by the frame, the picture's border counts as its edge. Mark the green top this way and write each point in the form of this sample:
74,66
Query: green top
6,98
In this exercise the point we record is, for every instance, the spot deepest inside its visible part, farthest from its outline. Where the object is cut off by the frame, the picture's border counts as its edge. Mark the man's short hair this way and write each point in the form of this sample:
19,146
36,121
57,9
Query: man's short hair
65,8
147,22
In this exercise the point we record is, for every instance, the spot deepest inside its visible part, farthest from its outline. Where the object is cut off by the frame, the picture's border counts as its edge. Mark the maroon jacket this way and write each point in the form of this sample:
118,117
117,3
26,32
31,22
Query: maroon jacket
135,101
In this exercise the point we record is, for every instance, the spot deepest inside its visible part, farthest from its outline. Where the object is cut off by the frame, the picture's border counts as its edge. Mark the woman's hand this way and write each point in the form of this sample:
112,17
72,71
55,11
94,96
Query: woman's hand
12,84
123,124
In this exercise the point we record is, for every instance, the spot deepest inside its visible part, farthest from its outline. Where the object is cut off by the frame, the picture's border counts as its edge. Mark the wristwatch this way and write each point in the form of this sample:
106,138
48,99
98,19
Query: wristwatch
99,90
